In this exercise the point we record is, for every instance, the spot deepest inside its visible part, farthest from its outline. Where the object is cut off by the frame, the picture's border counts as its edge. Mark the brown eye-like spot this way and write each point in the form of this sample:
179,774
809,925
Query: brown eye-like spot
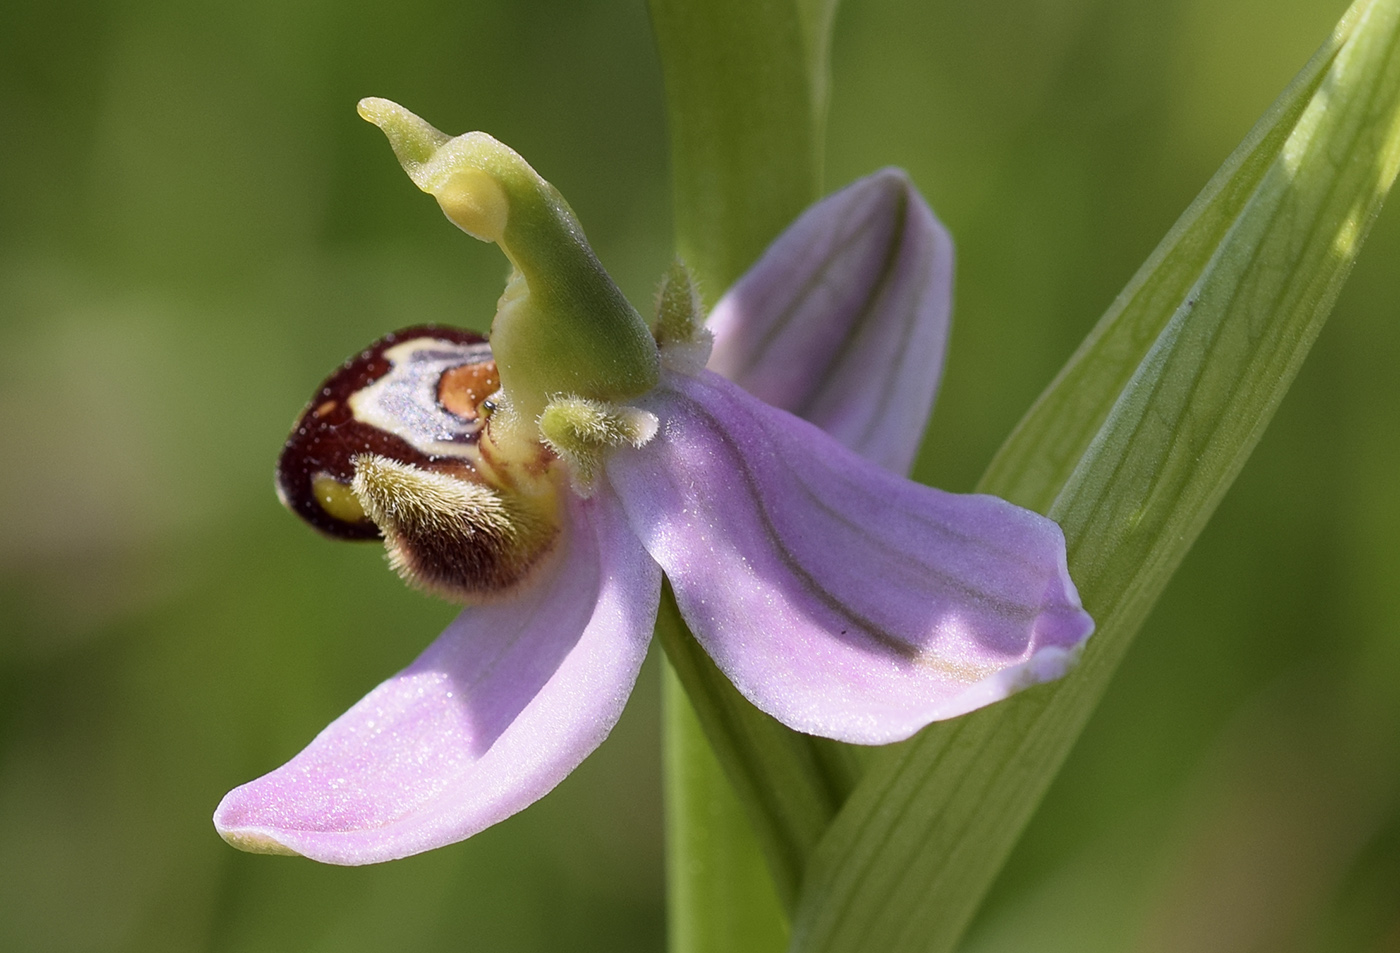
388,405
462,389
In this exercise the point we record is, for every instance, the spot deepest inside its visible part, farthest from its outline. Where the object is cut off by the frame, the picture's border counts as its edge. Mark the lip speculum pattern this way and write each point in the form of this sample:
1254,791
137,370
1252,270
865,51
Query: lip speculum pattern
415,396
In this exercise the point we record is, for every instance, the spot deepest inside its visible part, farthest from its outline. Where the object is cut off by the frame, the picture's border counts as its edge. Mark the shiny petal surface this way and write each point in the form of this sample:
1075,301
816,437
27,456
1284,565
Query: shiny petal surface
497,711
844,320
839,598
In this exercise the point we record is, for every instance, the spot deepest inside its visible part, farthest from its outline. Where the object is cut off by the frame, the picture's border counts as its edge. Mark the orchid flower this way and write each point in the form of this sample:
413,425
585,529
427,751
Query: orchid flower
550,478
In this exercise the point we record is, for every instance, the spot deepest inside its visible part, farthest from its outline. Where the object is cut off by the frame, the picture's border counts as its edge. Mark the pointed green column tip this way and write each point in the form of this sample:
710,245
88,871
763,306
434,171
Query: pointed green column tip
413,139
457,172
562,327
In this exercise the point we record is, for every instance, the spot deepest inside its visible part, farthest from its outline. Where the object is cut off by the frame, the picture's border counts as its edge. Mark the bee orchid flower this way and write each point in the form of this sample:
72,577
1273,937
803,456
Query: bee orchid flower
549,478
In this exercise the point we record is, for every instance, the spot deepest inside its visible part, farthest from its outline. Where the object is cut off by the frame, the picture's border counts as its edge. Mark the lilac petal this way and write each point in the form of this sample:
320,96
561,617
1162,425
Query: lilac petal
839,598
497,711
844,320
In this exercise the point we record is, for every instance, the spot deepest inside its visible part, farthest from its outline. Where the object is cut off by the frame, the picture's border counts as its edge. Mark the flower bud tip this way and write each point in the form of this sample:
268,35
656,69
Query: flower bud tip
679,327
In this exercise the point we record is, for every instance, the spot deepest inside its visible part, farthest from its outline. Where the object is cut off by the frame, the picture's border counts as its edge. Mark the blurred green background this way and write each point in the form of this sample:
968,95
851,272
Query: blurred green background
195,228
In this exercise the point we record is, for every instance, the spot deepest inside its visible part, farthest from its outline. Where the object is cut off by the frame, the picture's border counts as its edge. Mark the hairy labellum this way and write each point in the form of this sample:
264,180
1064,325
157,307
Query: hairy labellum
454,537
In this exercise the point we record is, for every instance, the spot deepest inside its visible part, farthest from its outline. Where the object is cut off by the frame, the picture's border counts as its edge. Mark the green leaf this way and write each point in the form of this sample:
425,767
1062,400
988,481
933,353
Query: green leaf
1032,466
1131,449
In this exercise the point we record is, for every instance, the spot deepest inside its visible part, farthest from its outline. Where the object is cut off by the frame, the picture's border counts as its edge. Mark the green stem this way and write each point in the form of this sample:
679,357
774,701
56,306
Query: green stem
745,84
746,98
721,895
790,785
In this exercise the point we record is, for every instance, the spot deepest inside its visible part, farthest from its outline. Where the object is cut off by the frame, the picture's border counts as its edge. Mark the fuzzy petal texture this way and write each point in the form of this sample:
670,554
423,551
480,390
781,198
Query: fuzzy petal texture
495,713
839,598
844,320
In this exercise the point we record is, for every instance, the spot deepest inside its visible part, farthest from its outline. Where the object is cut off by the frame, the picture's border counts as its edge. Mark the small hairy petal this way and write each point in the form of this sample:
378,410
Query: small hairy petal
839,598
844,320
492,716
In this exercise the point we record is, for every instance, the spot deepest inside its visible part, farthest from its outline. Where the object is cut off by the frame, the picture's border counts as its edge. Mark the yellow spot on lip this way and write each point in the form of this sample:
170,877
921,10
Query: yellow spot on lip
337,499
